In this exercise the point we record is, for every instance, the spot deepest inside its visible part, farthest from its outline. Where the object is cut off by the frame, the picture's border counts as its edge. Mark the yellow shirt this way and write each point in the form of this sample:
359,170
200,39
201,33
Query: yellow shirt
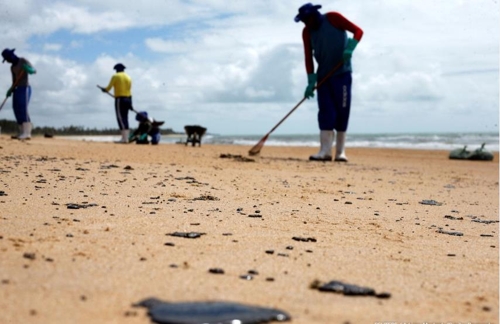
121,83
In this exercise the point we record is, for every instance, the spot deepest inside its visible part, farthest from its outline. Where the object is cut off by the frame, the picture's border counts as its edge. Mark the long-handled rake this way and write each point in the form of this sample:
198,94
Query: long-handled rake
114,97
256,149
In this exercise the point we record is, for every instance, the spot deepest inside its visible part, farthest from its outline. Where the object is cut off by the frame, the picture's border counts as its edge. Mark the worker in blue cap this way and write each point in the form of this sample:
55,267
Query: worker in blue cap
148,126
325,38
21,89
122,85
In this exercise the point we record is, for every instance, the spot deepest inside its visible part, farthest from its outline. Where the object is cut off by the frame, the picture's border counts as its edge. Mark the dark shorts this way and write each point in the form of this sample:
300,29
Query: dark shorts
334,102
20,100
122,106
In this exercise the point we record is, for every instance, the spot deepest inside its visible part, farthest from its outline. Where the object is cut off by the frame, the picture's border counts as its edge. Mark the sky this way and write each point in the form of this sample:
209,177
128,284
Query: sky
237,67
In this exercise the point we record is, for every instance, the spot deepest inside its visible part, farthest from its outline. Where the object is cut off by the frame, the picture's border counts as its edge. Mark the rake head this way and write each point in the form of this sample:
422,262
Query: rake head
256,149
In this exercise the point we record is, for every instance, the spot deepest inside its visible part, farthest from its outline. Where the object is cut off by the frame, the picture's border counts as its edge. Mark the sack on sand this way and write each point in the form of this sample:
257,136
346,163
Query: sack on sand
480,154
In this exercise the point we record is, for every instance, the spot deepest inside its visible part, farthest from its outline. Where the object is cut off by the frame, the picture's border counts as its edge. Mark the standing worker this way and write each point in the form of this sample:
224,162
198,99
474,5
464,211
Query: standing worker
325,37
122,84
21,89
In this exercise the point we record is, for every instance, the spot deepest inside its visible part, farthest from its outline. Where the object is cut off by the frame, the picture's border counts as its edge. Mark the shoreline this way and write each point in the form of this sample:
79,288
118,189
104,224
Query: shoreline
309,141
90,264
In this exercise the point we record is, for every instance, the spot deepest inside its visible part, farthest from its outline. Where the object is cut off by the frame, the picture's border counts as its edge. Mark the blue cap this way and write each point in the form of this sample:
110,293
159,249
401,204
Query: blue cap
141,116
7,53
306,10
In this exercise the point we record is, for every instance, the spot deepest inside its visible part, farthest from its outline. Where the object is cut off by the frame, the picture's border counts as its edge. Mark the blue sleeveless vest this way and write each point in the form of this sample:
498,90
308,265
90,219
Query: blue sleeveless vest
328,44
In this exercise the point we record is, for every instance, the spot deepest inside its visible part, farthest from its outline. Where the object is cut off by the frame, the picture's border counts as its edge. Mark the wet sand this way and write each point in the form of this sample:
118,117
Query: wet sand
90,261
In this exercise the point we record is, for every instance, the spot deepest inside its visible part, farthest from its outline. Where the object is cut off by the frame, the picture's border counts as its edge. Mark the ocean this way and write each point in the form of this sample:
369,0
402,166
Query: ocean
418,141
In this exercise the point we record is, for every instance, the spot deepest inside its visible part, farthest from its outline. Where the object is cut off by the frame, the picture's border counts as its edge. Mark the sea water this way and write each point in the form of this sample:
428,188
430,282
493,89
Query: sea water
444,141
423,141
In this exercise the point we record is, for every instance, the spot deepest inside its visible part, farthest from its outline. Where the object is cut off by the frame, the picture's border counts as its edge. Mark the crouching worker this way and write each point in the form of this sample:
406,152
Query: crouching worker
147,127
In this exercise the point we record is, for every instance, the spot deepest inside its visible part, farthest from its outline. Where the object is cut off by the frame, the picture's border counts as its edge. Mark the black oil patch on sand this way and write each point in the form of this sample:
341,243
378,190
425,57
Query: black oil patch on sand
347,289
190,235
209,313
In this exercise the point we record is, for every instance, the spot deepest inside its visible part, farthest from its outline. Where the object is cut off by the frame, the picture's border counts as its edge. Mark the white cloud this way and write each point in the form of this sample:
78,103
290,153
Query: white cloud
78,19
401,87
51,47
164,46
238,66
76,44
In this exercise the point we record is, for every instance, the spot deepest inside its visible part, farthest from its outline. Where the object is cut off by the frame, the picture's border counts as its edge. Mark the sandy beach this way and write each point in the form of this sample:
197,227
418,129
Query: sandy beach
84,232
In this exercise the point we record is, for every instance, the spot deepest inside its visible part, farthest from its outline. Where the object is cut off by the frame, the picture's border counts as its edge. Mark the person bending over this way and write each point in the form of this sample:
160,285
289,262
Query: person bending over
324,37
20,69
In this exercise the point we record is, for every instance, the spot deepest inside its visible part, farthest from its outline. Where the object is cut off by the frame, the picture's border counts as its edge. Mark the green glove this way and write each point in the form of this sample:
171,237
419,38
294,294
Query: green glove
9,93
143,137
311,82
351,45
29,69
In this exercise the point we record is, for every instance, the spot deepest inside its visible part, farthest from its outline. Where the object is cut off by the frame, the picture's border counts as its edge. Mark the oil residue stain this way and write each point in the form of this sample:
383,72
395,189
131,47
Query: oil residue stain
210,312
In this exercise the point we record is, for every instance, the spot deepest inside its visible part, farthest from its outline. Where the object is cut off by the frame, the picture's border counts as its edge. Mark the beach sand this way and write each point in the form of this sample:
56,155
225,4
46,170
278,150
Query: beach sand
89,265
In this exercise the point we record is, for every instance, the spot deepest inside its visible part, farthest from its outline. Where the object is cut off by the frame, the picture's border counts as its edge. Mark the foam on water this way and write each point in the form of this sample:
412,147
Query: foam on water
445,141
